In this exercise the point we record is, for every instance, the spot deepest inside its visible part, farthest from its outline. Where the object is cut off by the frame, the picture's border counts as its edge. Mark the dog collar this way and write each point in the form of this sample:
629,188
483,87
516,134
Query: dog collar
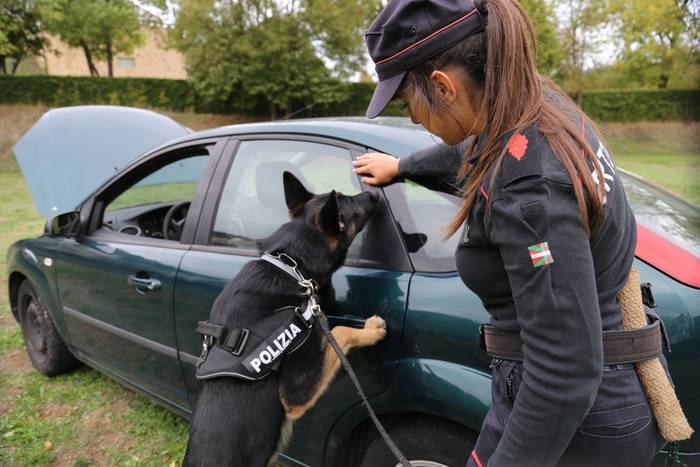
287,264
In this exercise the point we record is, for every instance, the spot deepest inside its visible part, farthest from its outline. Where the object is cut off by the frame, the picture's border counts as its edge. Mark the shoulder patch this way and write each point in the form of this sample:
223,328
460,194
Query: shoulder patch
523,158
518,146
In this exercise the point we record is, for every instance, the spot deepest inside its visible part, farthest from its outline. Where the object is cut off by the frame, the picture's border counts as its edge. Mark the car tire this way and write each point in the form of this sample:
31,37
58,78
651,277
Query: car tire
46,349
425,443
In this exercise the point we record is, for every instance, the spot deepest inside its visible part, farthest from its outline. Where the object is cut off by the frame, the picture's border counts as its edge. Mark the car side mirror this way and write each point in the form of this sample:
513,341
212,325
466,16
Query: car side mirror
66,225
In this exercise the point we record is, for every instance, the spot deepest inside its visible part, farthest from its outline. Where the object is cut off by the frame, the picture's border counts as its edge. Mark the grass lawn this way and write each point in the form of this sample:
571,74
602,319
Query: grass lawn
665,153
85,418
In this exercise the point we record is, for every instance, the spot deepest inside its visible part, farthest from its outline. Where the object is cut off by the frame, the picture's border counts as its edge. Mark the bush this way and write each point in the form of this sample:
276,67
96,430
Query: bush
350,98
642,105
59,91
600,105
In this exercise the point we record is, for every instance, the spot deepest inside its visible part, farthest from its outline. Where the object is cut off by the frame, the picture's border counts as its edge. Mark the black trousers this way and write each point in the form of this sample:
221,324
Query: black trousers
618,431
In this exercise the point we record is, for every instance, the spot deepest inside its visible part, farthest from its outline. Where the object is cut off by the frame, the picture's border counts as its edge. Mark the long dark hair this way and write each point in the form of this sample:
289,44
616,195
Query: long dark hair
499,63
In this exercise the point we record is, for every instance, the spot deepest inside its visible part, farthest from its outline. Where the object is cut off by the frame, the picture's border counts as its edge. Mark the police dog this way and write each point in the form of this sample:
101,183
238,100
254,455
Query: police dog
240,423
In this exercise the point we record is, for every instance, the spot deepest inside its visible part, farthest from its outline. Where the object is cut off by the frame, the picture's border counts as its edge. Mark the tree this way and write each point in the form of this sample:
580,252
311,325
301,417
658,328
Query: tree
659,39
581,19
101,28
249,53
549,50
20,32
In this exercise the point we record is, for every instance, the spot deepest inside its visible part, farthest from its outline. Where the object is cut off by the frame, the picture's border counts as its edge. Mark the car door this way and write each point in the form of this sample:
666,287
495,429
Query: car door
116,283
245,203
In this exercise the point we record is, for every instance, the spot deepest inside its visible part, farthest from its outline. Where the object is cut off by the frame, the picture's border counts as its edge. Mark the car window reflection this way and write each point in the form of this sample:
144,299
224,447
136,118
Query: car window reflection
422,214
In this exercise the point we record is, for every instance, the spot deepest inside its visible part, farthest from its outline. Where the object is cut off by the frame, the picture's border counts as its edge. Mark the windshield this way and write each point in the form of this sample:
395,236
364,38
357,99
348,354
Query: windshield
664,213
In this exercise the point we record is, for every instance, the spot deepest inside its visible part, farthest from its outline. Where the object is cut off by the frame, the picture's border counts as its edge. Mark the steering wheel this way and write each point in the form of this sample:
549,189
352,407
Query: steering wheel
174,220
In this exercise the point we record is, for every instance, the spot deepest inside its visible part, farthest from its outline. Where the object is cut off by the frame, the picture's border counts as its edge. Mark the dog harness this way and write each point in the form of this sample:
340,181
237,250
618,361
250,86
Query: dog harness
251,354
224,351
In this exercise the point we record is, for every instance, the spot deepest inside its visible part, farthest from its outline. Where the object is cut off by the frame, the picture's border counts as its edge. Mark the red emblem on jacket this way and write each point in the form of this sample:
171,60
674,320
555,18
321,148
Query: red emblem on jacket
517,146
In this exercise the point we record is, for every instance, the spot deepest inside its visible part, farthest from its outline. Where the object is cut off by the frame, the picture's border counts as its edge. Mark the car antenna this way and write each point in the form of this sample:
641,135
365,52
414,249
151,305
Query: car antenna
298,111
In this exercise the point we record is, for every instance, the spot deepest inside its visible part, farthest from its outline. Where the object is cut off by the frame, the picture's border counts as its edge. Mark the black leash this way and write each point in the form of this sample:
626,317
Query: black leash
288,265
320,317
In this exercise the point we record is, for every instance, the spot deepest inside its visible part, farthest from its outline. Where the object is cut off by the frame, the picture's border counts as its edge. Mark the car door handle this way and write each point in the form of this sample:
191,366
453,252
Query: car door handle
144,283
349,321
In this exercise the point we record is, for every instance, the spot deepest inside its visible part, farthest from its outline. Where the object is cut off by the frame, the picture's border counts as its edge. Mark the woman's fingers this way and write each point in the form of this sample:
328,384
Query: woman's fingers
369,180
363,169
381,168
369,158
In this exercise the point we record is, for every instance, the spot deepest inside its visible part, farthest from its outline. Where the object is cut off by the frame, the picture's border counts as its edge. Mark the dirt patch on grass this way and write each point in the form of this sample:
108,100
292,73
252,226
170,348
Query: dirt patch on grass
674,136
102,428
56,410
92,454
16,361
101,419
7,321
4,408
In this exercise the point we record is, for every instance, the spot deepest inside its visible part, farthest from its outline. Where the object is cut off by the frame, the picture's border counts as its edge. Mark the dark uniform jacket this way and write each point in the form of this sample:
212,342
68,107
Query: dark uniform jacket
524,251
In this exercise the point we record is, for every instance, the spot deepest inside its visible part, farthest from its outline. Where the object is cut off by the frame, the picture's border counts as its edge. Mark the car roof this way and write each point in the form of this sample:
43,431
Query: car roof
393,135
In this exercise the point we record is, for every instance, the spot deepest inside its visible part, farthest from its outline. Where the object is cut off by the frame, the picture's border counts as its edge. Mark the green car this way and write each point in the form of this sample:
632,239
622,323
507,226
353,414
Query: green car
147,221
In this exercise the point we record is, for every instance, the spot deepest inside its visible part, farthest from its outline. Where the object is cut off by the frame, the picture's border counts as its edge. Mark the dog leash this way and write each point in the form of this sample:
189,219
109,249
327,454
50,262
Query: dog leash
346,364
288,265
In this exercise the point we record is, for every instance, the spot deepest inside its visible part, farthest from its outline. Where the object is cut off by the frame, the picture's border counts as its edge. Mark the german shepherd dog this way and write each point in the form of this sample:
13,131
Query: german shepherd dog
241,423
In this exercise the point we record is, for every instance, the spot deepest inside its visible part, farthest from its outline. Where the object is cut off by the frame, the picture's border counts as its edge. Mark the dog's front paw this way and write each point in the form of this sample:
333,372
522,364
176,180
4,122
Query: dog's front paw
375,330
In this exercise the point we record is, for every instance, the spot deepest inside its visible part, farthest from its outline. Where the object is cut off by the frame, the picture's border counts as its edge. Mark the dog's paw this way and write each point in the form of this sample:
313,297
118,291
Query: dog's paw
375,322
375,330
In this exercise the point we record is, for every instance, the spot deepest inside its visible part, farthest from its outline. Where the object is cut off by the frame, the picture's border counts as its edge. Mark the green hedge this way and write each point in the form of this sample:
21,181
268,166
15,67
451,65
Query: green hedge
56,91
634,106
59,91
600,105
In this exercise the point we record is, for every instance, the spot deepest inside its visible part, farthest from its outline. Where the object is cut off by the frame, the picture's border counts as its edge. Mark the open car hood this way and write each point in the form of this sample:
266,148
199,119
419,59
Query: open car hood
71,151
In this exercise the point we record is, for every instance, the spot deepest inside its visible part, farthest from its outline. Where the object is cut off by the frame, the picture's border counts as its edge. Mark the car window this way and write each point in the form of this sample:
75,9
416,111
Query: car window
142,208
422,214
252,204
174,182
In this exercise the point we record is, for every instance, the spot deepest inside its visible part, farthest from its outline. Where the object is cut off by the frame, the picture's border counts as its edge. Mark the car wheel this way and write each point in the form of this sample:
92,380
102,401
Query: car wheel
425,443
46,350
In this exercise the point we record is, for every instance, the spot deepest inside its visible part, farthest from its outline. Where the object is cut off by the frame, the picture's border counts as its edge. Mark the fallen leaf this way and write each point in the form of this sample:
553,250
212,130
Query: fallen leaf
48,445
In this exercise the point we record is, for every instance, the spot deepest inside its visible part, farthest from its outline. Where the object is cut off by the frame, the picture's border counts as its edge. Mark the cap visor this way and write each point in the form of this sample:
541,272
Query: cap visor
383,94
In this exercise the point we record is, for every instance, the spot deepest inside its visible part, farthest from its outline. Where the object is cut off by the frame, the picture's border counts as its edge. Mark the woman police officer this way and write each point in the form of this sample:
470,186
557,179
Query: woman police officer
548,236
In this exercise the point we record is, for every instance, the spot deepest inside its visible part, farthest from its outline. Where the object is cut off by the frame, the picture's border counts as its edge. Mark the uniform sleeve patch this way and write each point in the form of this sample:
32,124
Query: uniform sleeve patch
517,146
540,254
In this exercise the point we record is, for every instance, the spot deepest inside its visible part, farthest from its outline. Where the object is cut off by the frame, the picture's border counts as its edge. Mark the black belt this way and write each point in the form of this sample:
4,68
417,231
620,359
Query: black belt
619,346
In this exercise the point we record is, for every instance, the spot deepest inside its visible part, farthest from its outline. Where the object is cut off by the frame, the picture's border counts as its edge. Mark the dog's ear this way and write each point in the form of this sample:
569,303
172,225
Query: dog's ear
331,220
295,194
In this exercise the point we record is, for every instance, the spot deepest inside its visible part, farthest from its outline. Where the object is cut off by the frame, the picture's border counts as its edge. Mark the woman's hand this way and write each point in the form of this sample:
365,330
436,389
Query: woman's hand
380,168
